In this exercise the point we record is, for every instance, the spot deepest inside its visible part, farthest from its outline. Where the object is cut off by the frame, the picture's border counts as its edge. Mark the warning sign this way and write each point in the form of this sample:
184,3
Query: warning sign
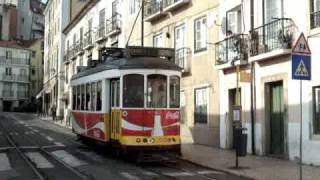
301,46
301,67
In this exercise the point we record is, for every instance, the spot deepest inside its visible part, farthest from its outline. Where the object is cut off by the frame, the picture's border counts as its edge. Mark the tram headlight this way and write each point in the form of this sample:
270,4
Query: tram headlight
152,140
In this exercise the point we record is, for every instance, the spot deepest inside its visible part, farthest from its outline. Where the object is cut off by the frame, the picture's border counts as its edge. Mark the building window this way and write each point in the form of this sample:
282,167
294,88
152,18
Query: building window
8,71
0,27
67,74
102,18
158,40
314,13
316,110
33,53
9,54
234,21
132,6
200,34
81,61
201,106
273,10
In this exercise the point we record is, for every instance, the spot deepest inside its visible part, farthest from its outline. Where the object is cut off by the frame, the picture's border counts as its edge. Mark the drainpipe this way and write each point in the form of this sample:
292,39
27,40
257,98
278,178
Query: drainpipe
253,87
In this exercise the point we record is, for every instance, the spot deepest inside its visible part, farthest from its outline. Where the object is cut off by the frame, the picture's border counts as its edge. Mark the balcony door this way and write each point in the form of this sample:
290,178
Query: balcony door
180,44
273,10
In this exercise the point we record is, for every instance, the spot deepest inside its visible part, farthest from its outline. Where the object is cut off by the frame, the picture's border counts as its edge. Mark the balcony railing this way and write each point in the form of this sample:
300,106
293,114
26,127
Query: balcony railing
275,35
87,40
174,3
232,49
15,77
22,94
113,25
18,61
72,52
101,33
7,93
6,77
315,19
22,78
182,59
158,8
79,47
153,7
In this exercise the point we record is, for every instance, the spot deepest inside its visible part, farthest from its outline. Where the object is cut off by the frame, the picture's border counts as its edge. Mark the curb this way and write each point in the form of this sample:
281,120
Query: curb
217,169
55,123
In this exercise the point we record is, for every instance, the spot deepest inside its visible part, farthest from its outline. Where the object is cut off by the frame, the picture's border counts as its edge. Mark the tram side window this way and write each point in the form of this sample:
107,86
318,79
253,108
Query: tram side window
88,98
157,91
94,95
74,98
133,90
83,100
78,98
99,90
174,92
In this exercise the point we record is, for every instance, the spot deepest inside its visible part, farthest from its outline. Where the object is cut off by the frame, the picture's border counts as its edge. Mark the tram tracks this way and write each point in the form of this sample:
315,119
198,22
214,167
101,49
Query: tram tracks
60,170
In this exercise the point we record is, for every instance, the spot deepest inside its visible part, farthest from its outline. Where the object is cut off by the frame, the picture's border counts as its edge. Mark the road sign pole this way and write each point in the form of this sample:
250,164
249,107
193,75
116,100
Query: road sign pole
300,164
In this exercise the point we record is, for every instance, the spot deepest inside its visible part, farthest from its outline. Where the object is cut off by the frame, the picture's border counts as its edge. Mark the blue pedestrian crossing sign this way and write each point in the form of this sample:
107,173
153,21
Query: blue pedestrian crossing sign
301,67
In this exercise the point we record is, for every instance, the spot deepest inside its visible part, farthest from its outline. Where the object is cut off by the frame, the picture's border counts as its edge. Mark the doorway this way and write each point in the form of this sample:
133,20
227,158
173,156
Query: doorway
7,106
276,114
115,113
230,127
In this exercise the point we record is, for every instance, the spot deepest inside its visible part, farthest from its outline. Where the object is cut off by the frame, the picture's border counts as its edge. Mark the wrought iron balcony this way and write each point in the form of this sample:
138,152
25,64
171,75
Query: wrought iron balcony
113,25
18,61
100,33
8,94
6,77
182,59
232,49
155,9
275,35
315,19
22,78
79,47
174,4
88,40
66,56
72,52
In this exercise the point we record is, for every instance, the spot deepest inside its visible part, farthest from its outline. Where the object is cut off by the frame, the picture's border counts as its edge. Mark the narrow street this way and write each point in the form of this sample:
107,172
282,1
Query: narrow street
35,149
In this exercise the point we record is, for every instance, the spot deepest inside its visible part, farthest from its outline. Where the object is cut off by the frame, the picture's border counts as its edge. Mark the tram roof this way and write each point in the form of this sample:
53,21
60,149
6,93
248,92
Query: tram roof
130,63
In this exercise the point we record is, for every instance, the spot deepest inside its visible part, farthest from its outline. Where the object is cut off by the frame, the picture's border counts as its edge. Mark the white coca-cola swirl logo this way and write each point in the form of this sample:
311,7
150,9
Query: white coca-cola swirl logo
172,115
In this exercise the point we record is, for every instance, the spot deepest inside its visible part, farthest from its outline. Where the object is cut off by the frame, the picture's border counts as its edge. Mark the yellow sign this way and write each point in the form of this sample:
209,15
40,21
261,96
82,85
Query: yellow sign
245,77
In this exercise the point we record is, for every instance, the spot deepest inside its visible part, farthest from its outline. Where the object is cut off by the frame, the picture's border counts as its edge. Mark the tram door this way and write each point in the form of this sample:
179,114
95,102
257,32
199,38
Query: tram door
115,113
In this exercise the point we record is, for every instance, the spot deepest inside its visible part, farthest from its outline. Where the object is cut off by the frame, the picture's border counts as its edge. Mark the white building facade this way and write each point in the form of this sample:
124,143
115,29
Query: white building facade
258,37
56,18
94,29
14,76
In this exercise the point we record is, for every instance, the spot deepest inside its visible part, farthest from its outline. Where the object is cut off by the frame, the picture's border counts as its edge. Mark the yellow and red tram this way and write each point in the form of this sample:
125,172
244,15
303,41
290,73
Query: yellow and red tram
130,100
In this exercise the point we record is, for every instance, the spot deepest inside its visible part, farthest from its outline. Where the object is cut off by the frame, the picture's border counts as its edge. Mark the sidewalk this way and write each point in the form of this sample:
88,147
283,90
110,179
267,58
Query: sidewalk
58,122
256,167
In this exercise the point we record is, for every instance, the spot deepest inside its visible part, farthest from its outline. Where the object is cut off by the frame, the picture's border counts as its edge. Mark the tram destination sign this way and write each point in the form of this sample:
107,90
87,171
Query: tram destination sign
137,51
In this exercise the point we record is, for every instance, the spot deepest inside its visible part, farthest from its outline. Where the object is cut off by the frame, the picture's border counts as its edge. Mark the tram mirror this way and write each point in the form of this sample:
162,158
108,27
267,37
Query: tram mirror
236,113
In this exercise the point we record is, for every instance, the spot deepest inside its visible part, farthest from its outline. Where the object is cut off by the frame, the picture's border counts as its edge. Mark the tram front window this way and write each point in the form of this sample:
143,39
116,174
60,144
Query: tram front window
133,90
174,92
157,91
